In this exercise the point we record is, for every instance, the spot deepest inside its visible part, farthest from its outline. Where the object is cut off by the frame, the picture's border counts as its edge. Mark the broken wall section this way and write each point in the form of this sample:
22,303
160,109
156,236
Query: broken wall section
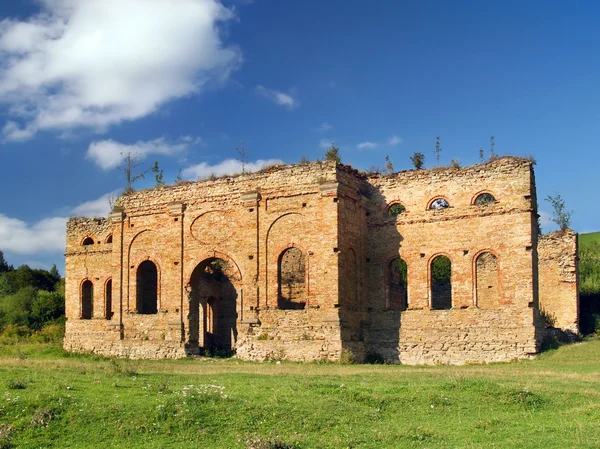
559,280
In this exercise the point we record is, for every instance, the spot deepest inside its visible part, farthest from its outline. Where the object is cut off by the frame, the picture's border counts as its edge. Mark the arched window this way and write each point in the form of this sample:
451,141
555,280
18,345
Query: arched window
396,209
486,273
87,241
87,299
439,204
147,288
484,199
108,312
398,286
440,282
292,278
109,239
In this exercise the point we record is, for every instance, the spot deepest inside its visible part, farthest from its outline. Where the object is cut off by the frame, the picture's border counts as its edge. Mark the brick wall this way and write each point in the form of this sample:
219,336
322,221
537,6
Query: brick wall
335,220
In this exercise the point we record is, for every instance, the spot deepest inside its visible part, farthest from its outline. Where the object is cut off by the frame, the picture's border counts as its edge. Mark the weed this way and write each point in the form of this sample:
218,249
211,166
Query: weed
270,443
346,357
18,384
6,433
41,417
264,336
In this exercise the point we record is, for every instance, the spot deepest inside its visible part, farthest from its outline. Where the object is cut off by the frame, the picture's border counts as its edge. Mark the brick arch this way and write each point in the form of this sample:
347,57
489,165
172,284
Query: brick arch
446,302
296,296
86,299
274,249
481,192
135,269
392,204
210,219
481,298
213,254
435,198
389,300
88,240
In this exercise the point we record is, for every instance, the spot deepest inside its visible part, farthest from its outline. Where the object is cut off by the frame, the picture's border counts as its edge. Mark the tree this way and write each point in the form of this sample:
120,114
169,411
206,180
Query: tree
178,178
158,175
561,216
243,152
333,154
128,165
4,266
389,165
437,149
493,155
418,159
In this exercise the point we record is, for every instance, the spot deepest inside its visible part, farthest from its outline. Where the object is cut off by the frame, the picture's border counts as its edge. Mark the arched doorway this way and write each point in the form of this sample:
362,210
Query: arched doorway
212,317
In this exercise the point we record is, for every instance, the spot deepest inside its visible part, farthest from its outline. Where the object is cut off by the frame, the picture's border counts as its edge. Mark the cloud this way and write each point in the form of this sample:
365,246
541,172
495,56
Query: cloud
394,140
366,145
96,63
96,208
227,167
278,97
326,143
48,234
323,127
546,221
109,153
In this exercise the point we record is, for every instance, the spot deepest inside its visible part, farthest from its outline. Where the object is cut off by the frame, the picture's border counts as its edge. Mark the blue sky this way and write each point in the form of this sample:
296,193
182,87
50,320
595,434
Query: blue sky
80,81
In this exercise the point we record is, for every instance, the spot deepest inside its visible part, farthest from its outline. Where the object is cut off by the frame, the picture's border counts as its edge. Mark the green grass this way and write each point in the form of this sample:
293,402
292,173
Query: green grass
589,237
54,400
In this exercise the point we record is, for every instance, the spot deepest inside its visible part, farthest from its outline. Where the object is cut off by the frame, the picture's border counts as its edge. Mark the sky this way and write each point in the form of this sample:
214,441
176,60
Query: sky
185,82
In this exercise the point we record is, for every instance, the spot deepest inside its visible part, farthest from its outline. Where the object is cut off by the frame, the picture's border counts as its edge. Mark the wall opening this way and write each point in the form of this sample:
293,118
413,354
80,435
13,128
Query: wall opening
486,273
108,312
87,299
87,241
291,280
147,288
398,284
109,239
212,313
441,284
484,199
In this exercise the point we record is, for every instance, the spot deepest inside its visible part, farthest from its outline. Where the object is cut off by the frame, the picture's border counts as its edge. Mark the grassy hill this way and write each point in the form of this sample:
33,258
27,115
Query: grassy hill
56,401
589,237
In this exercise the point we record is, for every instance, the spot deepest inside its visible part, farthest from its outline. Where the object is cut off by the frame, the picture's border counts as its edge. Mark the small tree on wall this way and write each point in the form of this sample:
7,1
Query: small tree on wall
128,165
418,159
333,154
561,216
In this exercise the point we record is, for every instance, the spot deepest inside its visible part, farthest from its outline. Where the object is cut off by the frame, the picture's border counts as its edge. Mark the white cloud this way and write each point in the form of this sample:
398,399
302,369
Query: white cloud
323,127
366,145
95,63
227,167
96,208
326,143
546,221
109,153
278,97
46,235
394,140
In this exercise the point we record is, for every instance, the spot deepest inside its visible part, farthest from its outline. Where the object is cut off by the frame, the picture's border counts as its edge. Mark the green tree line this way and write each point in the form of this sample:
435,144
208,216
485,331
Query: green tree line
30,298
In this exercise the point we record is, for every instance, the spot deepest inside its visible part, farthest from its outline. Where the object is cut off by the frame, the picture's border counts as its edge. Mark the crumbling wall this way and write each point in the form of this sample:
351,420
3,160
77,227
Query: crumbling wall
558,280
460,232
337,223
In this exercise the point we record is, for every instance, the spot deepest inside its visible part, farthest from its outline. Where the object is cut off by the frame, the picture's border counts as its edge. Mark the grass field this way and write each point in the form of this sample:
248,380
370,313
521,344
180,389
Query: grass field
590,237
54,400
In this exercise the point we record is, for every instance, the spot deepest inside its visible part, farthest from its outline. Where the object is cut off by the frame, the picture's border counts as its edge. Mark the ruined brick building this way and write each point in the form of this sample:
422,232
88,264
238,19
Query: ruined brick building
303,262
